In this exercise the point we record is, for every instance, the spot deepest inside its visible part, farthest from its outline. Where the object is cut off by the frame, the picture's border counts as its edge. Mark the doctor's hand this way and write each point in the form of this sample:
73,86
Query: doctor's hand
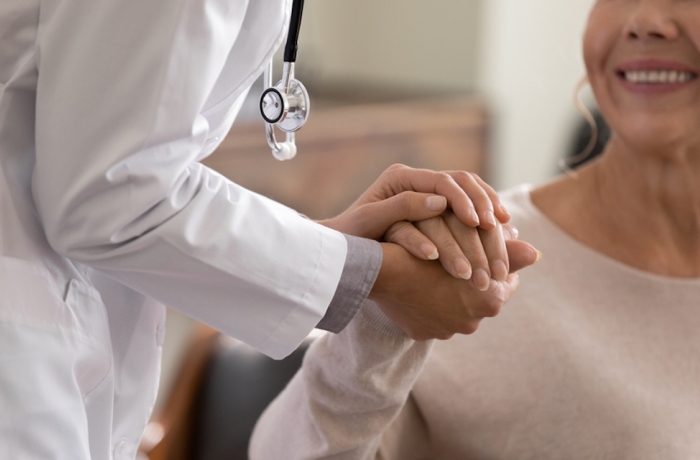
426,302
406,194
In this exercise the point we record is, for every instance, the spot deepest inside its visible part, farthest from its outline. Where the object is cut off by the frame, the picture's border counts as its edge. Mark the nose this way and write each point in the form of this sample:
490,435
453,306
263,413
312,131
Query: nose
652,20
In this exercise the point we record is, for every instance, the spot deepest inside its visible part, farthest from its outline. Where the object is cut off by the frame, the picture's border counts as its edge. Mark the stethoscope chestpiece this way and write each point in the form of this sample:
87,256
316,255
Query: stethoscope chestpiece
273,105
285,105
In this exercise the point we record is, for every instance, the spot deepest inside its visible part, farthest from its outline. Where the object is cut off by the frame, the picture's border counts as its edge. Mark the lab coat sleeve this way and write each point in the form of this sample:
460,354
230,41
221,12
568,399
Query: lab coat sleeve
122,94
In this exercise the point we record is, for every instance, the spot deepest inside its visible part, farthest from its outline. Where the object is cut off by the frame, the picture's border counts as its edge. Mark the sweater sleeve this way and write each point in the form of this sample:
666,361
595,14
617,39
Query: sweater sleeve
349,391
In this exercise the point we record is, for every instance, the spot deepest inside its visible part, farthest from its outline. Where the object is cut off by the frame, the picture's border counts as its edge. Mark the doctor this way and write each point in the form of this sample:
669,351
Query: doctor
106,215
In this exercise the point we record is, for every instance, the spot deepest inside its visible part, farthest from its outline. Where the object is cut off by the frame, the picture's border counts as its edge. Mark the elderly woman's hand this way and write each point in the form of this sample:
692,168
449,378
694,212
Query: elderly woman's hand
468,252
426,302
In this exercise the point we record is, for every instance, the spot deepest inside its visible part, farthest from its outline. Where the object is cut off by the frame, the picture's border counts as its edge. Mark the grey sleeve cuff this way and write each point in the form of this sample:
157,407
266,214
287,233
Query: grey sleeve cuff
362,266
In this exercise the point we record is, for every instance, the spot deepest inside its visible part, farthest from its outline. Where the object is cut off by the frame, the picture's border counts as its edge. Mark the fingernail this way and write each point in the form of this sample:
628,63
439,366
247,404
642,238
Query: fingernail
481,280
499,271
490,218
436,203
430,251
475,217
539,256
514,232
464,270
504,210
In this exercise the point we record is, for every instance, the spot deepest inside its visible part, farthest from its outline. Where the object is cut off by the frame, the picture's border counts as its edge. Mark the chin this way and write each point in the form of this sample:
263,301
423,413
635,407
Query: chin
656,132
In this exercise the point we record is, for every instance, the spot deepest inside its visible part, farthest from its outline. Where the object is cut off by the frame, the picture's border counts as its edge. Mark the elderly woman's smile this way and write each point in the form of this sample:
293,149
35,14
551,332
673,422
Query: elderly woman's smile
655,75
643,62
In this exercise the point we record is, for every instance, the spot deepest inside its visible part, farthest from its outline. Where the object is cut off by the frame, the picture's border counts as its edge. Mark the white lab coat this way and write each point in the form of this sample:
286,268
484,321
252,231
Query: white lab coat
105,214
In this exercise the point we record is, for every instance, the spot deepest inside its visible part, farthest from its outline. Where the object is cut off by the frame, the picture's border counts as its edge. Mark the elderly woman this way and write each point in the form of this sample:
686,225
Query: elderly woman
596,355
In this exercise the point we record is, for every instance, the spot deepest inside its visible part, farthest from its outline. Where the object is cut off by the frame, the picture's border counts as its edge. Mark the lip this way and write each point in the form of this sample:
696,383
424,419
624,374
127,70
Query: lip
654,64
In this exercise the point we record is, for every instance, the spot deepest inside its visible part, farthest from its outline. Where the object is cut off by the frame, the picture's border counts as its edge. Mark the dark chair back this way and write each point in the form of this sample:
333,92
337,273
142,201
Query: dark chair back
222,388
238,385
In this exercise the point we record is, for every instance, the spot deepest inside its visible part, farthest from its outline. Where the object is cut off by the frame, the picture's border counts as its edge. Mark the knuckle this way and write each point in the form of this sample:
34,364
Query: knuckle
391,234
476,255
449,247
509,232
402,205
455,226
403,201
492,311
469,327
445,336
397,167
479,180
492,306
446,244
461,176
362,213
413,237
397,232
390,172
444,177
428,225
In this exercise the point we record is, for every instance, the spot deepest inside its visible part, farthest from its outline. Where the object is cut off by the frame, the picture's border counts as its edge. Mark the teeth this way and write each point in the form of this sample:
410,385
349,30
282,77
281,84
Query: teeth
658,76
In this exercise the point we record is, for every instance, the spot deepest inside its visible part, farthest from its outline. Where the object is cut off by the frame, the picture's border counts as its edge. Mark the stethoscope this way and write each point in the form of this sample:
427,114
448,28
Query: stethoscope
285,105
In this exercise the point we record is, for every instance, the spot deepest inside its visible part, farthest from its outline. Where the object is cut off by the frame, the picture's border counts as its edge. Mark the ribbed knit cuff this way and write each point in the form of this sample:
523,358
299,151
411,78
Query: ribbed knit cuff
373,316
362,264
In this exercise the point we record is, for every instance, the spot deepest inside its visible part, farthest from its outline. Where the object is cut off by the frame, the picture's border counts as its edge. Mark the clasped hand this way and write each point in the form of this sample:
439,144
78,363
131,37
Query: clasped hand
449,256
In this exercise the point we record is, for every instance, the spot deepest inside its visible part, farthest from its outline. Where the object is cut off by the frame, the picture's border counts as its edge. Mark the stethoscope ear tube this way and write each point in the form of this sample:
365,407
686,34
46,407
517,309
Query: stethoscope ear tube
290,50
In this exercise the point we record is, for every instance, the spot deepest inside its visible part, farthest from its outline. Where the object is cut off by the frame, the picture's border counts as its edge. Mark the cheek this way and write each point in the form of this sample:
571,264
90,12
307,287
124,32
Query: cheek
599,39
692,28
602,33
591,47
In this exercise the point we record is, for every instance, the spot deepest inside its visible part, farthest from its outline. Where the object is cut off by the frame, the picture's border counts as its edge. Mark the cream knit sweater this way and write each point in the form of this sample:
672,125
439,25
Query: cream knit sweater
591,359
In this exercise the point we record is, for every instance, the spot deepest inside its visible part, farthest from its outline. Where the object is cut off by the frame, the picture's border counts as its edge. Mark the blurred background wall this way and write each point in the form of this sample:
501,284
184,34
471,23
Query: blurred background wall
528,64
523,57
408,46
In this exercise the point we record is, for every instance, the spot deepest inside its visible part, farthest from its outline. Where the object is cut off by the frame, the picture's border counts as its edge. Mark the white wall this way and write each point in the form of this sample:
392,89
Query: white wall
413,44
529,63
